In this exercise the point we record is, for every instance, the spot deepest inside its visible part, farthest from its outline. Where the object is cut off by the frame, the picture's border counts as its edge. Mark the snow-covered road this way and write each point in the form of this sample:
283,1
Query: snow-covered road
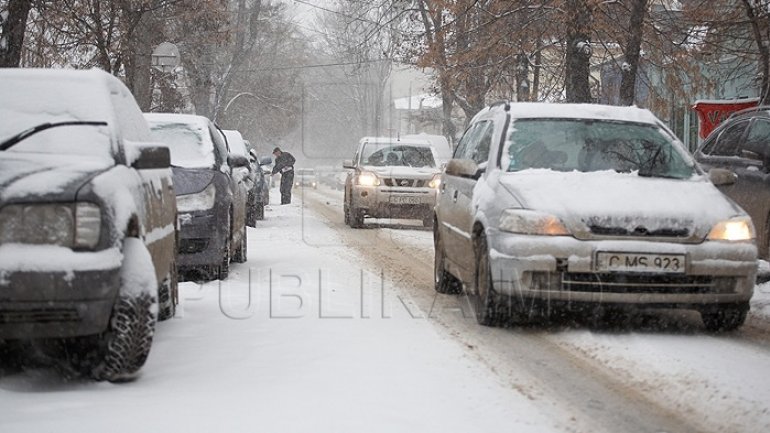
329,329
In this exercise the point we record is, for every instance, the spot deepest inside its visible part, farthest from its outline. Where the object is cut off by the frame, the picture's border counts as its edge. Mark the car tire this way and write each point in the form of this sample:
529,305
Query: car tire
488,311
724,318
346,212
444,282
117,354
223,271
241,253
356,218
168,294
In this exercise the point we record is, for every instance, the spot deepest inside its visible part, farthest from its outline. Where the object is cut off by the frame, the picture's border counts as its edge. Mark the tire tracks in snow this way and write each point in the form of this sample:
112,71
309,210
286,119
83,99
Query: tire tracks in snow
565,380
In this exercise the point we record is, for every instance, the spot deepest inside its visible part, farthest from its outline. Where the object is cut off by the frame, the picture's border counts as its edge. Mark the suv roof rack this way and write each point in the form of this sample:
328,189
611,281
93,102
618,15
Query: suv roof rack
506,105
750,109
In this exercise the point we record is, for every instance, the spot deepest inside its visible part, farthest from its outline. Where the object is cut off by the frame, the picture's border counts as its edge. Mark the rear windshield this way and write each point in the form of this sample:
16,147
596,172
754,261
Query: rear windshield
190,145
393,155
595,145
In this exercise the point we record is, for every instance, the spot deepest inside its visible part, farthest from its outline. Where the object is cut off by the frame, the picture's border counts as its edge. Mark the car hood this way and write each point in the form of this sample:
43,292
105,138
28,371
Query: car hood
191,180
401,171
611,201
46,177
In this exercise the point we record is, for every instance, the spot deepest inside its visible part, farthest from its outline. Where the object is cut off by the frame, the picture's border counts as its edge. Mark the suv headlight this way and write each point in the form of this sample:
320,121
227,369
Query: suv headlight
530,222
366,178
435,182
734,229
203,200
69,225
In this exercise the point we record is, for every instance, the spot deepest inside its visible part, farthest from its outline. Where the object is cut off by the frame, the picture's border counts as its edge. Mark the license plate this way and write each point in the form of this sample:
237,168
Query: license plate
404,199
637,262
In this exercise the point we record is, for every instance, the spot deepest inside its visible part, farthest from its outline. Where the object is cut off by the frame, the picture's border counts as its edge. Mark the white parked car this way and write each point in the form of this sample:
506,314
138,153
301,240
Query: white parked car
556,205
391,178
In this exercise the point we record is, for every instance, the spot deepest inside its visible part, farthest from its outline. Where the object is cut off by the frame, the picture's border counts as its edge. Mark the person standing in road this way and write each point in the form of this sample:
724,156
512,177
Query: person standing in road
284,164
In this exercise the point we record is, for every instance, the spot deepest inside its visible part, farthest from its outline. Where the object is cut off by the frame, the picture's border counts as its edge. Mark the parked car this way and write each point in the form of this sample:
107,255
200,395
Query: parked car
564,205
742,145
305,177
256,182
391,178
87,219
210,195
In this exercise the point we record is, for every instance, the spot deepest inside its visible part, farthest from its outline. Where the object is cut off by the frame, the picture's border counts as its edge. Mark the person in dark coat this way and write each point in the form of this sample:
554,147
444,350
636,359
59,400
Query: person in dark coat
284,164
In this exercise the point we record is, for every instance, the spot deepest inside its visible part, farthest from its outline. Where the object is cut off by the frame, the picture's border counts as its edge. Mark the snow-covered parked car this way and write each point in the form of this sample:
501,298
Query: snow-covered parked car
87,219
258,187
563,205
391,178
211,196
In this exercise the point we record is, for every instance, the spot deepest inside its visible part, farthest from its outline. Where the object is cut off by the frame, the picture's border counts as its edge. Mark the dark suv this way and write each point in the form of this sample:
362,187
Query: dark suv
741,145
87,219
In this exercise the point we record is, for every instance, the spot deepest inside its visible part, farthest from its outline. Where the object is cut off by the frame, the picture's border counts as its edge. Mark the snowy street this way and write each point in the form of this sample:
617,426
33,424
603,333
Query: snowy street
329,329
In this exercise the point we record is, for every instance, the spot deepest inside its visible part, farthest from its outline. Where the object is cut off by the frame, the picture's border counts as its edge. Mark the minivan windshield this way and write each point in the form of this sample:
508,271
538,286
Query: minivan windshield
391,155
189,144
595,145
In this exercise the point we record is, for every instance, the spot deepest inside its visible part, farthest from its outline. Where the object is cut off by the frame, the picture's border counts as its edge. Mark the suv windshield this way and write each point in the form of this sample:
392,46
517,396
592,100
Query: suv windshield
594,145
389,155
190,145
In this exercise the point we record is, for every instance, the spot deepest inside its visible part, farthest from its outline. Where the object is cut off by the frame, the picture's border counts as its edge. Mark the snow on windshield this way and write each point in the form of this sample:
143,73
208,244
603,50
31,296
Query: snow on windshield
190,144
595,145
68,97
395,155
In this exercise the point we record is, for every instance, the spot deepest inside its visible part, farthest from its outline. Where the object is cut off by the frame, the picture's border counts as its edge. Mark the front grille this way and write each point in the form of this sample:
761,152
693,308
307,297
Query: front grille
192,246
639,231
404,182
39,315
645,283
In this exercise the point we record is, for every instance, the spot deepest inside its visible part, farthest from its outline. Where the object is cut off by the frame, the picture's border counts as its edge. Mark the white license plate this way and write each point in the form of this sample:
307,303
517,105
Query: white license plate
404,199
638,262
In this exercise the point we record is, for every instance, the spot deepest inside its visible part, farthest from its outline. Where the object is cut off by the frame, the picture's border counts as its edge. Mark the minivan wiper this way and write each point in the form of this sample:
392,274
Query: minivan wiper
7,144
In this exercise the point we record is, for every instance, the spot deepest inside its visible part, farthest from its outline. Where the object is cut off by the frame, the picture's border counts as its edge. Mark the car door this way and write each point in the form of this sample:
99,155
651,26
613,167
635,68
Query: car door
742,147
237,187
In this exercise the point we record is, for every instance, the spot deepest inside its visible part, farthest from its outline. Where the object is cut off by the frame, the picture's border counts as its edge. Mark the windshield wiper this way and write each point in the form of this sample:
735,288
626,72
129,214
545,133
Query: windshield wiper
7,144
650,173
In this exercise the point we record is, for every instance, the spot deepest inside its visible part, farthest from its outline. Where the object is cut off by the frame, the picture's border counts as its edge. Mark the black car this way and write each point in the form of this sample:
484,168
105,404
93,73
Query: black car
87,219
741,145
211,196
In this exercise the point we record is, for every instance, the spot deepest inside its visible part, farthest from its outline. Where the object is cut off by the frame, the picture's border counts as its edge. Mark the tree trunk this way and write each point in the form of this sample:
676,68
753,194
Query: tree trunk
755,19
139,61
12,33
633,49
522,78
578,51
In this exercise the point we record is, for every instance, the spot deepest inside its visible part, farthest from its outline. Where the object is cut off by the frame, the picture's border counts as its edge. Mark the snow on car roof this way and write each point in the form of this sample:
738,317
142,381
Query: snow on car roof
396,140
534,110
190,119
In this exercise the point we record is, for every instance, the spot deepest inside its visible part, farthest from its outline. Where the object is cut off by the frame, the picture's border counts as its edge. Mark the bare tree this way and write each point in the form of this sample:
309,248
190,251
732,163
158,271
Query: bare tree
13,24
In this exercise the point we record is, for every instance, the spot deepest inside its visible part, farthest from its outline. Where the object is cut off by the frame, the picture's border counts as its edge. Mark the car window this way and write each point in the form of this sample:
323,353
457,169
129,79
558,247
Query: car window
478,149
468,136
397,155
594,145
758,138
728,141
190,144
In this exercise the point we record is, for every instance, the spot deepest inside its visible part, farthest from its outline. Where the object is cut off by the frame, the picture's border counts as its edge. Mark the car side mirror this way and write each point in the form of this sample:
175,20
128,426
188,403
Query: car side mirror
237,161
721,176
348,163
150,157
265,160
463,168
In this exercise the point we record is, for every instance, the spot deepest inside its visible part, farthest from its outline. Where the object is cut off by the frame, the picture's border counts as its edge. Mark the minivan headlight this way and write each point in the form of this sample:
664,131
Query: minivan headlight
734,229
203,200
530,222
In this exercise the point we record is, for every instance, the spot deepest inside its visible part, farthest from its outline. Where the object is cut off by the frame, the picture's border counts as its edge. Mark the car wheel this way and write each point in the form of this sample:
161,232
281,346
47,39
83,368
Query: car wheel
488,312
167,294
121,350
356,218
724,318
444,282
224,267
241,254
